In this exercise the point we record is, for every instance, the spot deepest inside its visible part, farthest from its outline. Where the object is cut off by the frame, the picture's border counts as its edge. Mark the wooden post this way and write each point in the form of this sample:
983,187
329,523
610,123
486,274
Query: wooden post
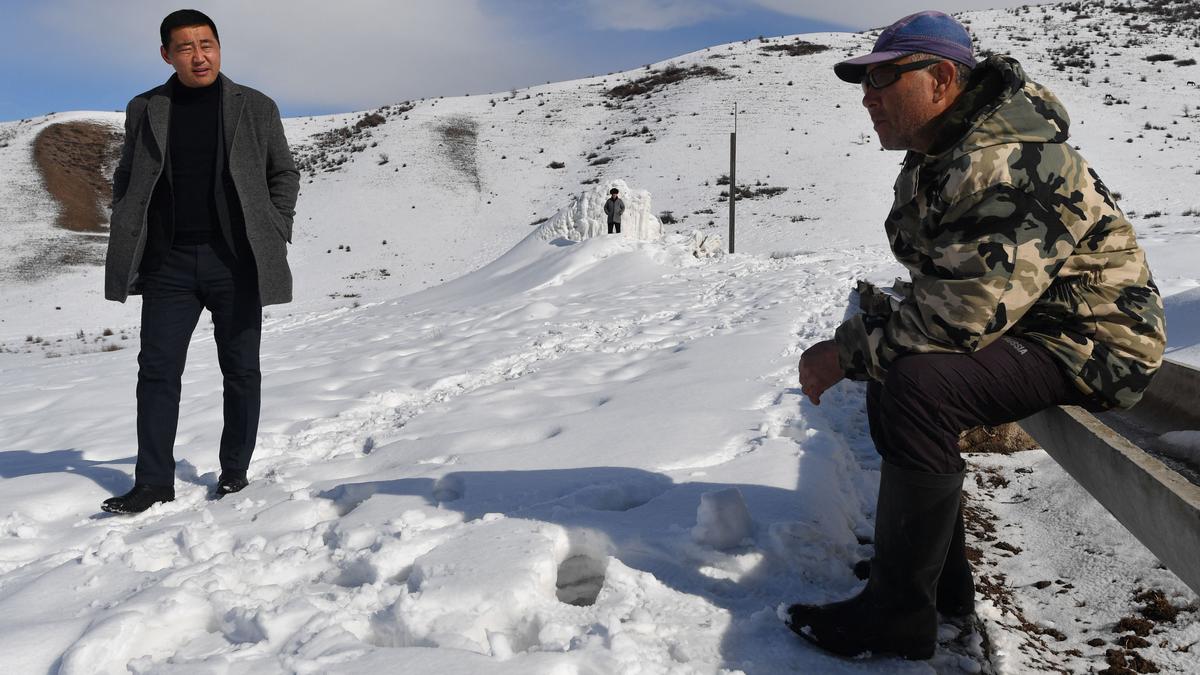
732,175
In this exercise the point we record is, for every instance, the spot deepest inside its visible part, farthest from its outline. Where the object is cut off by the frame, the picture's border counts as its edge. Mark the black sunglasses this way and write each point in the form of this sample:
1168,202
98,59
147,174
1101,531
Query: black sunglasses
886,76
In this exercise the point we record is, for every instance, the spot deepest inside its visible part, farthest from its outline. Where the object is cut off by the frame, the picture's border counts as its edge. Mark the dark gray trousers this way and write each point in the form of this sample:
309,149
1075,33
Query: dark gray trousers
917,413
189,280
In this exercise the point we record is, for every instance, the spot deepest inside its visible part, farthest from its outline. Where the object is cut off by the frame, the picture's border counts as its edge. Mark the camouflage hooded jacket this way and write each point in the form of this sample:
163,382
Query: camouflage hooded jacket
1006,230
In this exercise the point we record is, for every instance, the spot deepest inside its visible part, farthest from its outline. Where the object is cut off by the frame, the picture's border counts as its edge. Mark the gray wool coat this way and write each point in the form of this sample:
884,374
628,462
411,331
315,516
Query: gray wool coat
260,166
614,208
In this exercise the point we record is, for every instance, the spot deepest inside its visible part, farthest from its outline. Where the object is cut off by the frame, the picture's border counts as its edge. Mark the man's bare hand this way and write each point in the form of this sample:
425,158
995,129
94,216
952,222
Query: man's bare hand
819,370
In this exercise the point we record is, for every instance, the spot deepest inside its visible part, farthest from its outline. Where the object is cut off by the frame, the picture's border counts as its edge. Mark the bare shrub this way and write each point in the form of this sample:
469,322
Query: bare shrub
661,78
797,48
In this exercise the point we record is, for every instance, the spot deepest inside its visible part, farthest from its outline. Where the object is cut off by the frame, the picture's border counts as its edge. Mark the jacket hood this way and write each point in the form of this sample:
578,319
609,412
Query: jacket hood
999,106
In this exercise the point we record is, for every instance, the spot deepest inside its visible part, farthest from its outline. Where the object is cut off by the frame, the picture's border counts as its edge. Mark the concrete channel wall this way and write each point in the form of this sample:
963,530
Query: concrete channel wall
1160,507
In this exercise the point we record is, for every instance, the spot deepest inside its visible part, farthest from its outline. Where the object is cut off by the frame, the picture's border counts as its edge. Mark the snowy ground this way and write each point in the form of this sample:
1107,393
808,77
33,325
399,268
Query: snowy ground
527,468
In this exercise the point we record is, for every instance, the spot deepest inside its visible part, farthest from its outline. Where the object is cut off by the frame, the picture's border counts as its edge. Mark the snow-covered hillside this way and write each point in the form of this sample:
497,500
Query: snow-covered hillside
489,446
450,184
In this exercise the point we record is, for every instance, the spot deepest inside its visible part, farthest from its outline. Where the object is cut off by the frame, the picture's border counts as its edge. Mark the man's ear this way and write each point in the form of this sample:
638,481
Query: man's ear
163,51
945,76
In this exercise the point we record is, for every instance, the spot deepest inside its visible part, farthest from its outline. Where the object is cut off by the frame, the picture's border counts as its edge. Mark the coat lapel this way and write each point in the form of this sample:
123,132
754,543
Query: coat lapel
231,110
159,111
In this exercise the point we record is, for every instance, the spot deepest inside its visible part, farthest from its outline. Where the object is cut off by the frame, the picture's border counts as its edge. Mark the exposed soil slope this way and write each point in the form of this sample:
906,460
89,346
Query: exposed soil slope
76,159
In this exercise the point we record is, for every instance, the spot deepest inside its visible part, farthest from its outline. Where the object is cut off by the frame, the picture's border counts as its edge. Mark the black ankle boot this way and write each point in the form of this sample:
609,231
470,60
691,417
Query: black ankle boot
230,483
956,587
914,523
140,498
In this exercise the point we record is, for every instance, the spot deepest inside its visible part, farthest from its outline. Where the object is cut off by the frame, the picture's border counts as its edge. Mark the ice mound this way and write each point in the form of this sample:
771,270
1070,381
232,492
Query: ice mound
584,217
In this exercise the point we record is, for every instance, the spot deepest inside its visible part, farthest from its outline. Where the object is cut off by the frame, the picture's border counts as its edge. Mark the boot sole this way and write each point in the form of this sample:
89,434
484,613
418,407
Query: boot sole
906,654
221,491
122,511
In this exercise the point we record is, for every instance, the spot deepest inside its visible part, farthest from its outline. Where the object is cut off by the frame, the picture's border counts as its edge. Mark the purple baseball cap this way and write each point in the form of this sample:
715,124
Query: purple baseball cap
924,32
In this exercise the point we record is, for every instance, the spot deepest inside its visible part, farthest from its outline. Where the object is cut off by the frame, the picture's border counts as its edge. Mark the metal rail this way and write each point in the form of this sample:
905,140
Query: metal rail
1113,457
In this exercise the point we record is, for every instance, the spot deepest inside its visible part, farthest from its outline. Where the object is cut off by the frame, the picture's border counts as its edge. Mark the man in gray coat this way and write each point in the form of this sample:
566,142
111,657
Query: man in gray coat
613,208
203,201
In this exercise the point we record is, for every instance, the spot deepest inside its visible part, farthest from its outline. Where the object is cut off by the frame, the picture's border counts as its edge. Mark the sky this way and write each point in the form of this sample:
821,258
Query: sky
320,57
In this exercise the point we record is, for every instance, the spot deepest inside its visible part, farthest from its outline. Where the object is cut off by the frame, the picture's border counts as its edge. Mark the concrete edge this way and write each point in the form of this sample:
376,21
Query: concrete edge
1158,506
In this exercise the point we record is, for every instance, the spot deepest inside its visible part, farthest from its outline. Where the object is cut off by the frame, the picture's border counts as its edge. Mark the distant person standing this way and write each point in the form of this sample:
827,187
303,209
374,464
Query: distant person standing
203,200
613,208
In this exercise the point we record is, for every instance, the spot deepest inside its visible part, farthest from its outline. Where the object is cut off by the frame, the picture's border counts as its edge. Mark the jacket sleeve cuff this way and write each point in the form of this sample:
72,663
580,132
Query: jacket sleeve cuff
854,350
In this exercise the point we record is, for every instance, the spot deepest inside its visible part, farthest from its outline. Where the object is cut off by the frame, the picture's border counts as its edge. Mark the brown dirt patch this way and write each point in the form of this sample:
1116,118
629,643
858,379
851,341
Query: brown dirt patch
1132,642
1005,546
1140,627
75,159
1002,440
1121,662
1157,607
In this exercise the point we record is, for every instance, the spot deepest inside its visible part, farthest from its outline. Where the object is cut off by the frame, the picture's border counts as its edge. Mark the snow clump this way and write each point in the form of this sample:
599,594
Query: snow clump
722,521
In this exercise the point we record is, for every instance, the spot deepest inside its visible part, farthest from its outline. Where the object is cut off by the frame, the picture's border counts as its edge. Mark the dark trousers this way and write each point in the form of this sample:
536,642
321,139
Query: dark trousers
189,280
927,400
614,228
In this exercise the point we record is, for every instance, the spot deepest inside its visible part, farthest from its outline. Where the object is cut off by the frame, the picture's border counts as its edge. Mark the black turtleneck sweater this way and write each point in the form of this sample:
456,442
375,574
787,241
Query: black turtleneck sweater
193,153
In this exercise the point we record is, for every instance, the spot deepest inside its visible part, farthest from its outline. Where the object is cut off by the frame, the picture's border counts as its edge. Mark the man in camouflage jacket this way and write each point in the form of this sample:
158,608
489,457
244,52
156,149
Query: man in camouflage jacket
1028,290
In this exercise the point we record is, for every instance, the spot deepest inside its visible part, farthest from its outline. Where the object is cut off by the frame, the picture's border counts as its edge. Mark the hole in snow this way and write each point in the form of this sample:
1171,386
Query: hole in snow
580,579
619,496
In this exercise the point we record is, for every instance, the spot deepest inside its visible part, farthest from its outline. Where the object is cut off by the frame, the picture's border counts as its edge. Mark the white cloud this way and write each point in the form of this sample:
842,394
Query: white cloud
318,53
667,14
873,13
358,54
652,15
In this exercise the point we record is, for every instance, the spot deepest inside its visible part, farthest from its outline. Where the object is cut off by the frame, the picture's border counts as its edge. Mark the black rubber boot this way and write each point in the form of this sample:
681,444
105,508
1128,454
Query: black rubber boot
229,483
914,523
140,498
956,587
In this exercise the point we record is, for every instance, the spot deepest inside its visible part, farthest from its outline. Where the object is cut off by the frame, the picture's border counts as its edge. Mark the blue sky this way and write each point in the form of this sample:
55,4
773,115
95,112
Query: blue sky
317,56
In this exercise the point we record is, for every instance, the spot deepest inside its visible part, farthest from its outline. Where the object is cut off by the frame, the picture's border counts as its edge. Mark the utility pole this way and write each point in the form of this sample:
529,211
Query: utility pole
732,175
